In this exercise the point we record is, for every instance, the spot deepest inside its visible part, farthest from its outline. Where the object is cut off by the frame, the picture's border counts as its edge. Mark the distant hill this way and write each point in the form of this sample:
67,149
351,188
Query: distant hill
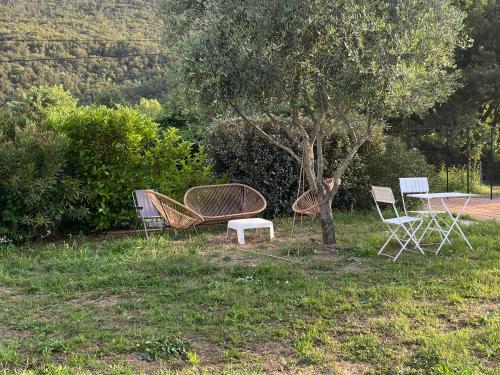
72,29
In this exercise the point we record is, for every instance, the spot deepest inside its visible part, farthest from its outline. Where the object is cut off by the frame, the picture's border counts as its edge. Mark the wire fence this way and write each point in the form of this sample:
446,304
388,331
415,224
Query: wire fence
463,162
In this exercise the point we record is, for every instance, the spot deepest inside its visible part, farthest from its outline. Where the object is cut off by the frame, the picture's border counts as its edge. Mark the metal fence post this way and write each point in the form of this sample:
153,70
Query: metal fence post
468,161
491,161
447,135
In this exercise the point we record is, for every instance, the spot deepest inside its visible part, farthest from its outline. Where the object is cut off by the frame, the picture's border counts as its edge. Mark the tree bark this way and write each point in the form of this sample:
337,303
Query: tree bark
327,223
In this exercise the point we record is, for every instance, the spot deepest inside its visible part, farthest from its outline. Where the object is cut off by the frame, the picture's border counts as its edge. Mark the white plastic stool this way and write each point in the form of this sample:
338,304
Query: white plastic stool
240,225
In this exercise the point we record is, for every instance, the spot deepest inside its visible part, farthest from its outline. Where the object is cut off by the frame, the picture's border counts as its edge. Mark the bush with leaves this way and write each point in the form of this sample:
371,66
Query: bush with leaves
116,150
36,195
381,161
236,149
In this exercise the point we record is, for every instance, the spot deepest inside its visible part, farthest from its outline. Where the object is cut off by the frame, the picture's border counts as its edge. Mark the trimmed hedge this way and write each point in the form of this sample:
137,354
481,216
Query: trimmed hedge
237,151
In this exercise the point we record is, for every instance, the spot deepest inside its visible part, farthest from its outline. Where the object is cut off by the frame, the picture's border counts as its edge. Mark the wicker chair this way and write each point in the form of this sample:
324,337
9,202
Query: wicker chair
307,204
178,216
220,203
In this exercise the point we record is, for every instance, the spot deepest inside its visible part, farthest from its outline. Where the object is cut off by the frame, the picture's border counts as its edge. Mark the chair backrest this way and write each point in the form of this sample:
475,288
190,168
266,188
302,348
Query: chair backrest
174,213
408,185
384,195
219,202
148,210
414,185
306,204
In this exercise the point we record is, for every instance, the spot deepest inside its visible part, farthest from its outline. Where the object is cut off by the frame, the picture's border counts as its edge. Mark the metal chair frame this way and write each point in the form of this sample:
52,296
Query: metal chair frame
385,195
410,185
144,212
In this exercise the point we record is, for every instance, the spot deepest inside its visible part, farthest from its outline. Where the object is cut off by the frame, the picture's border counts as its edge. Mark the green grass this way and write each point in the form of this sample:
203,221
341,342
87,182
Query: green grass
164,305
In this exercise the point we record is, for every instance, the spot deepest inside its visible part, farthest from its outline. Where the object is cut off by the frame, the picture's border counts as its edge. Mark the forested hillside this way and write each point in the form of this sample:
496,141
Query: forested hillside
66,35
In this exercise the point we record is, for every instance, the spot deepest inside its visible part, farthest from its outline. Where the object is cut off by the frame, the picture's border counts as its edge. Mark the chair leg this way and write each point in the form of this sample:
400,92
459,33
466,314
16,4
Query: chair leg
393,235
411,236
145,227
293,223
199,237
386,243
401,250
425,231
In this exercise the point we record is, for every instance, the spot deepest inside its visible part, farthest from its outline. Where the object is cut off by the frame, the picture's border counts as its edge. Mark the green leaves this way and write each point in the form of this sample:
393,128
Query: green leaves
157,347
118,150
386,57
77,166
36,193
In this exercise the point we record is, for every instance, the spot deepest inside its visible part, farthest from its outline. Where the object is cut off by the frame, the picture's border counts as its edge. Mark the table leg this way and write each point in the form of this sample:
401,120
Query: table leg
271,232
454,224
433,224
241,236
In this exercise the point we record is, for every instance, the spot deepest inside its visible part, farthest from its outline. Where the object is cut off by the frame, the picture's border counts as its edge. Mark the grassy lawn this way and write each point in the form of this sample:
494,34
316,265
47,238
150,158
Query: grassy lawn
167,305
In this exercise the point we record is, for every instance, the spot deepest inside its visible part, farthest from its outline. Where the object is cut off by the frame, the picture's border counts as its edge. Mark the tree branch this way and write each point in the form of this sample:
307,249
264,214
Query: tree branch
308,153
354,149
264,134
296,123
288,131
491,108
352,131
320,160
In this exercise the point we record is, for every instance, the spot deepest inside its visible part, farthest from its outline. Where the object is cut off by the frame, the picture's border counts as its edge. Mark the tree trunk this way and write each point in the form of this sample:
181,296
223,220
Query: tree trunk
327,224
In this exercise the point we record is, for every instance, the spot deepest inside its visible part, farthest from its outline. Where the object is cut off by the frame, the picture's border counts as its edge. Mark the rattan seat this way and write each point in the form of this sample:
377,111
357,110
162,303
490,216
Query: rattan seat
178,216
307,204
221,203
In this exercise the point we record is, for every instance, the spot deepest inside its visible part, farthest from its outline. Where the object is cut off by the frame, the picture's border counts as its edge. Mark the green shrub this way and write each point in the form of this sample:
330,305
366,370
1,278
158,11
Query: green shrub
236,149
381,161
457,180
116,150
36,195
39,104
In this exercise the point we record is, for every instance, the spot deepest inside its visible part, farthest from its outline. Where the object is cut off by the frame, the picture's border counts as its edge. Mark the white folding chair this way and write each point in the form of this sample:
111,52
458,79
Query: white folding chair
151,218
415,185
385,195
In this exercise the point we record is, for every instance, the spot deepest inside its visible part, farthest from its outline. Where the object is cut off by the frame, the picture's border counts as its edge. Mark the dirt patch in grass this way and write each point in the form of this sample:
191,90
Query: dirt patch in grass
351,368
106,301
8,332
101,300
10,293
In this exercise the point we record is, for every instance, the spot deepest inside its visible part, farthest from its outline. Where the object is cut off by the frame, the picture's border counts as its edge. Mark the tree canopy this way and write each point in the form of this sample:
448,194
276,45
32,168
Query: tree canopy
390,57
312,67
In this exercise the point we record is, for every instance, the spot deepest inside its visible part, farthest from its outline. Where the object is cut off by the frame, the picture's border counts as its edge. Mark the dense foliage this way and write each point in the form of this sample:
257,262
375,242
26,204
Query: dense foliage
114,151
381,161
236,149
64,167
73,30
460,127
37,193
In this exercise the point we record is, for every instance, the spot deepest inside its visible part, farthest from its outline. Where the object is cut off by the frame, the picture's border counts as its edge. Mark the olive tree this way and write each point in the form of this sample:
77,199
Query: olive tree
318,66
